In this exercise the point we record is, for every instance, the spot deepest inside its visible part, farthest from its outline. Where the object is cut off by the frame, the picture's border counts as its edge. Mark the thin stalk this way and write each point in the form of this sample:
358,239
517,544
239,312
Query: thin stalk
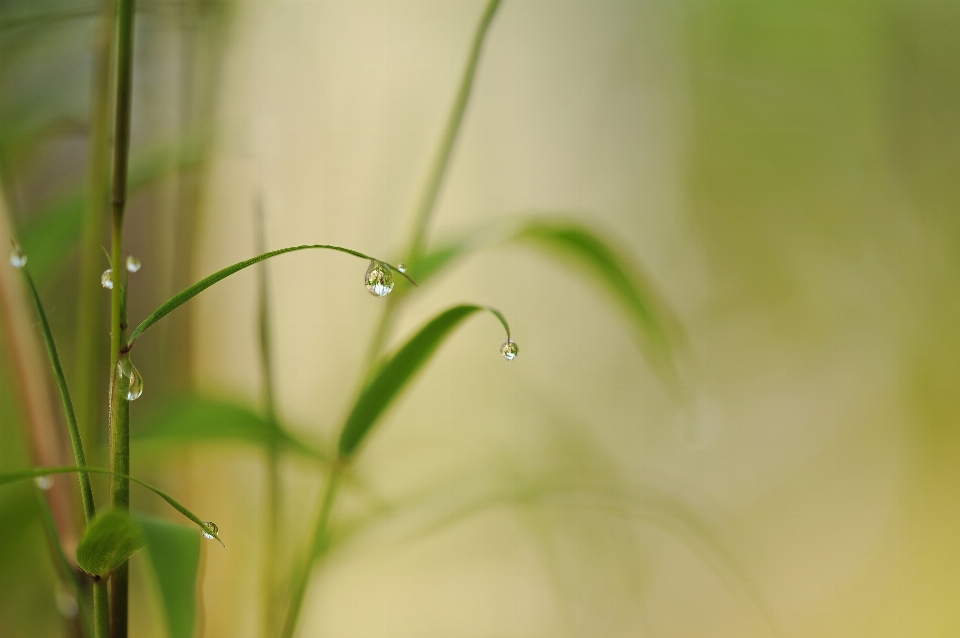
101,609
314,554
89,315
119,406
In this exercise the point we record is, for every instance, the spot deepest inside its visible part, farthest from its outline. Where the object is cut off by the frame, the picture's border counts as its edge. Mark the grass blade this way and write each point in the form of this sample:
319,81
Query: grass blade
184,296
399,370
110,539
174,553
22,475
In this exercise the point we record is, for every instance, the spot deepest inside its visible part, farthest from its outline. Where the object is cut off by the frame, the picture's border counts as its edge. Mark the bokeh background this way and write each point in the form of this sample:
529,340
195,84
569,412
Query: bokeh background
785,173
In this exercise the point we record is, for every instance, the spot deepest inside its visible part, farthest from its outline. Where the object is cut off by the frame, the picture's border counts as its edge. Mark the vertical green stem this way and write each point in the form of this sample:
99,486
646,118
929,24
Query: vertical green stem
101,609
317,546
119,405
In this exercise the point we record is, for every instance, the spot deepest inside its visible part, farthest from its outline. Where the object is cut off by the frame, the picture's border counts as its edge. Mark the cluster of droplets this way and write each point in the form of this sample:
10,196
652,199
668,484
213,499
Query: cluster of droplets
106,279
509,350
17,258
379,279
213,527
128,372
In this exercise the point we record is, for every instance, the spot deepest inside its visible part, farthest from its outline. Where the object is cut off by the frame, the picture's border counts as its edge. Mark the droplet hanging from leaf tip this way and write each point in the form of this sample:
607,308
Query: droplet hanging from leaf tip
44,482
106,279
128,373
379,279
17,257
213,527
509,350
133,264
402,267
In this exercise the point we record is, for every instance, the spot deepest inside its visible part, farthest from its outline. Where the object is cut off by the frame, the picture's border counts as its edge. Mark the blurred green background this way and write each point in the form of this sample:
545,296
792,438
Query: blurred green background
784,172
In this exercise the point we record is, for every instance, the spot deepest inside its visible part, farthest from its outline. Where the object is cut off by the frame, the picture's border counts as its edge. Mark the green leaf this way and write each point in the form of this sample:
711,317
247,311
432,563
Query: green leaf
576,246
174,553
23,475
399,370
110,539
186,295
194,419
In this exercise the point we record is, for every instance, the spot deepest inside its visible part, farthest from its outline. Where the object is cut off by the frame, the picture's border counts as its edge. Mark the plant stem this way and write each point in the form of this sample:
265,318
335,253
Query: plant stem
101,609
119,406
317,546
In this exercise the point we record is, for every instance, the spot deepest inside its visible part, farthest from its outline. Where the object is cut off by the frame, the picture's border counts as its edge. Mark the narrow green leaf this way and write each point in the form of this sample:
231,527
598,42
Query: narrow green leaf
174,553
23,475
184,296
194,419
110,539
399,370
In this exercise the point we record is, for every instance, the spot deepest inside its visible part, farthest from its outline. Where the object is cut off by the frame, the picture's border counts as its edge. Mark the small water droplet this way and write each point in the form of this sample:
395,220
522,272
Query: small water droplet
128,373
402,267
133,264
106,279
509,350
66,601
44,482
17,258
212,526
379,279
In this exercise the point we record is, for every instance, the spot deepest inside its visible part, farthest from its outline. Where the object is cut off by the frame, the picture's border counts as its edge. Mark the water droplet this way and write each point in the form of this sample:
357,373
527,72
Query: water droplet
509,350
402,267
128,373
212,526
106,279
379,279
44,482
17,258
66,601
133,264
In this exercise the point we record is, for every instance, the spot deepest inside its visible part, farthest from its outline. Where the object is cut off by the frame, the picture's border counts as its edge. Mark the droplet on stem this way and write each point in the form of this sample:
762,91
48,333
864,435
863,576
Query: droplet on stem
44,482
17,258
509,350
106,279
128,372
133,264
402,267
213,526
379,279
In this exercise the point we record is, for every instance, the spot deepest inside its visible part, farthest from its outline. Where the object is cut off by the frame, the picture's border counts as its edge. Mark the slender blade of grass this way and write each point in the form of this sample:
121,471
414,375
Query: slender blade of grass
174,553
398,371
110,539
23,475
186,295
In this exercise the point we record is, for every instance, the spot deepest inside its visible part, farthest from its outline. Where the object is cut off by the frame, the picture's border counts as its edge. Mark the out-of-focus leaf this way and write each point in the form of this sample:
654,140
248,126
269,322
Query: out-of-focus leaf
189,293
23,475
399,370
50,239
576,246
110,539
174,553
193,419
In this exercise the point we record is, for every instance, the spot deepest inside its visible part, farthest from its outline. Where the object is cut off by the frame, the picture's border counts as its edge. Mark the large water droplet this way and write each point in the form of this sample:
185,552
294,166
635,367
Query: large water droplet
128,373
212,526
44,482
106,279
17,258
402,267
379,279
133,264
509,350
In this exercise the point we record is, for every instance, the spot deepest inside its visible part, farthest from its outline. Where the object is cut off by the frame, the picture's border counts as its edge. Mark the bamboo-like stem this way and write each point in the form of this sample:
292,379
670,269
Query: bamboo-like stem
89,337
119,405
101,609
315,551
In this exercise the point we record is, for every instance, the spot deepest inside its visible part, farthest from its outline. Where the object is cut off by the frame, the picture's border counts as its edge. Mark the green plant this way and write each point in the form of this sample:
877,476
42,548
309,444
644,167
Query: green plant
113,536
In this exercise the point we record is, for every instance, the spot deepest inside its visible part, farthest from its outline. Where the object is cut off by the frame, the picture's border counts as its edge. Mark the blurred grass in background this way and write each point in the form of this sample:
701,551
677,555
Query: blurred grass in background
785,173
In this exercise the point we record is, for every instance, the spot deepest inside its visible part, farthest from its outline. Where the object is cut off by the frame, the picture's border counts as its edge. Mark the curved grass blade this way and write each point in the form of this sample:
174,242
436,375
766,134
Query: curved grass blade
23,475
398,370
86,491
174,553
184,296
581,248
110,539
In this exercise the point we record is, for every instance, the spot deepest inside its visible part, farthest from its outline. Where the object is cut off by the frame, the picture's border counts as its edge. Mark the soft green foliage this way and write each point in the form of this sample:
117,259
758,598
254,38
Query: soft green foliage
174,552
110,539
393,375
